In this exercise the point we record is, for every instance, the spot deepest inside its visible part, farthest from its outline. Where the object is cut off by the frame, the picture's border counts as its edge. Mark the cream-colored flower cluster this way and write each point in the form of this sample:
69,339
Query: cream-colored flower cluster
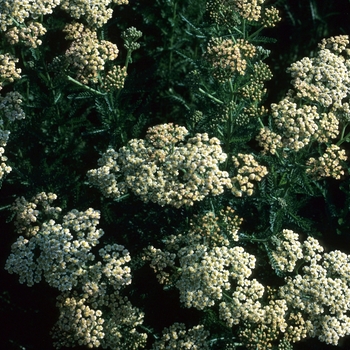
249,9
199,264
316,107
299,126
92,310
10,106
95,12
229,58
17,11
329,164
27,213
95,320
287,252
61,253
336,44
164,168
8,70
248,170
4,168
178,337
115,78
87,54
270,141
207,273
324,78
28,34
317,296
321,293
215,230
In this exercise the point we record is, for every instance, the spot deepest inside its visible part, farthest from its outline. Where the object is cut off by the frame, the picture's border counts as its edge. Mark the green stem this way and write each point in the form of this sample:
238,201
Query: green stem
172,36
85,86
252,36
342,137
210,96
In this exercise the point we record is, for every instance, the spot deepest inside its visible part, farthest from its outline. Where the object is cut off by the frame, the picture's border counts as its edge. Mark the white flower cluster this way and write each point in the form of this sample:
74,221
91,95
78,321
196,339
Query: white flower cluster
62,252
248,170
324,78
318,297
10,106
287,252
27,213
28,34
329,164
87,54
315,108
177,337
92,311
19,10
205,273
164,168
200,267
95,12
8,70
249,9
98,320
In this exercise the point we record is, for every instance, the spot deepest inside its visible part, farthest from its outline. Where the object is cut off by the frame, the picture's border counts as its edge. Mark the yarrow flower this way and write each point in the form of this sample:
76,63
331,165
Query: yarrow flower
228,58
164,168
92,310
330,164
324,78
248,170
105,320
178,337
10,106
88,55
28,34
8,70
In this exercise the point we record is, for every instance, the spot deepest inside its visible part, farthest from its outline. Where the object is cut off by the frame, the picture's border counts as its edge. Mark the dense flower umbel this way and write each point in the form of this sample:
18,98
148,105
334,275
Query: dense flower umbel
248,170
98,318
164,168
10,106
92,311
330,164
200,267
19,10
28,34
87,54
178,337
317,106
229,58
95,12
8,70
317,298
61,253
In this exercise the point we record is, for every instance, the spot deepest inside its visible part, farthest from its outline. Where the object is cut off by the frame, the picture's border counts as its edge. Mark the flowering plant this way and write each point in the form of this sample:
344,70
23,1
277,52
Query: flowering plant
218,200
